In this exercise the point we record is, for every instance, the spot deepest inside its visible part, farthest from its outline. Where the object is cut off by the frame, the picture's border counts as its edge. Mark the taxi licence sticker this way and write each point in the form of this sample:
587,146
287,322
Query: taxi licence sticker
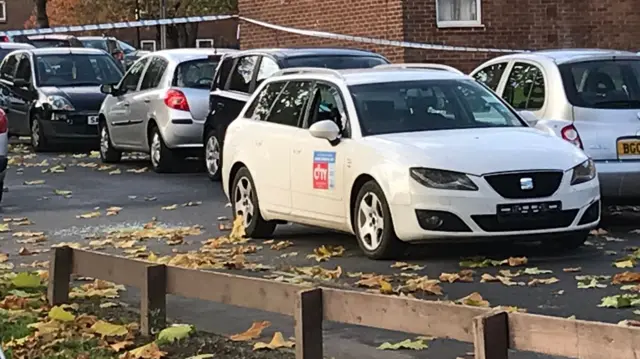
324,170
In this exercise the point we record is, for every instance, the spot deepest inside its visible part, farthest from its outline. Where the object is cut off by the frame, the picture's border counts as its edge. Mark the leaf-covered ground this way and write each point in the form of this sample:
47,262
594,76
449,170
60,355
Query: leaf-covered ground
94,325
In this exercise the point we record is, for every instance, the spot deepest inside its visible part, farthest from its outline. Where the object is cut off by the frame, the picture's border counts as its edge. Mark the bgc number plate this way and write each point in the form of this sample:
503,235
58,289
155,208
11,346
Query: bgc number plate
628,149
529,209
92,120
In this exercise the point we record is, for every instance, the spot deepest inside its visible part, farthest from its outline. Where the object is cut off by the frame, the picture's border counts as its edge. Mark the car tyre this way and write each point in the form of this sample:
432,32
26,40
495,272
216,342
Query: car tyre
373,224
568,242
38,139
108,154
244,201
162,158
213,155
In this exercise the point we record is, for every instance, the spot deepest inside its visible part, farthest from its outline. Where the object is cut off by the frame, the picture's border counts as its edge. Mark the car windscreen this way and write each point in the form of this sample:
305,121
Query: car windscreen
429,105
336,62
96,44
50,43
197,74
76,70
603,83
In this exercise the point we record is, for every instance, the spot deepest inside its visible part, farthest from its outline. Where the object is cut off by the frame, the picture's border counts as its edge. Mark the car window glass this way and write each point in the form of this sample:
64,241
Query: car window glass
76,69
9,67
525,87
24,69
99,44
428,105
260,107
327,105
154,73
291,103
336,62
222,74
241,75
196,74
267,68
130,80
491,74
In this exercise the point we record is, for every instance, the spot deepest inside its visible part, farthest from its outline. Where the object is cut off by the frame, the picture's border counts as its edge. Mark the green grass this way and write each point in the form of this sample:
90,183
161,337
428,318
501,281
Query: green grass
73,348
15,328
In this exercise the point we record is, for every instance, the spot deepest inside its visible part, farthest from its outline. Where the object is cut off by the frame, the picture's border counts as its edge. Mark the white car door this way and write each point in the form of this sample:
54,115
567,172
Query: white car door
318,167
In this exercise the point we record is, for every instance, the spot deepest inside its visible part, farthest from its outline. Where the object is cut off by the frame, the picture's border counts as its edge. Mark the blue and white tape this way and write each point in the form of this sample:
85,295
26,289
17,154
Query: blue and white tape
303,32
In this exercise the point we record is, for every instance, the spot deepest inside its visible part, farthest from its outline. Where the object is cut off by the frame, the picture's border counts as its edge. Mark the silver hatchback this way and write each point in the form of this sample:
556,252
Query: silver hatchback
159,107
589,97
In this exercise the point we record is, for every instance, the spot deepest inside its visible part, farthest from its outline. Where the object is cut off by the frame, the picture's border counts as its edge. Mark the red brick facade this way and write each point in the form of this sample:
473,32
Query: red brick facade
522,24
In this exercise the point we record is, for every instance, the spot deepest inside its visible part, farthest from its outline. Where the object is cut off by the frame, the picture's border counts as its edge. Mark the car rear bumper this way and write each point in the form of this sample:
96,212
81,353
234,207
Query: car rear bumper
619,179
183,133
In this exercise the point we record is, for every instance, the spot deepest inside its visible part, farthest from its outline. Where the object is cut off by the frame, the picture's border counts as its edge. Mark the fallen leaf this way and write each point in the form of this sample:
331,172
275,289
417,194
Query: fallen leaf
26,280
620,301
517,261
536,271
89,215
149,351
170,208
277,342
252,333
570,270
175,332
59,314
474,299
630,323
121,345
115,172
325,252
405,344
4,227
60,192
32,183
626,277
106,329
537,281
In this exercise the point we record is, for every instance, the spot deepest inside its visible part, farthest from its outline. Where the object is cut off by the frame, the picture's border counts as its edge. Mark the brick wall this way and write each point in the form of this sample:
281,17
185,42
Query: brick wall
18,12
511,24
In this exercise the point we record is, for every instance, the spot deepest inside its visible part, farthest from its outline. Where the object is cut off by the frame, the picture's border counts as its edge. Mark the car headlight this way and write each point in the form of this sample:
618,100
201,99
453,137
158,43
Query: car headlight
440,179
584,172
59,103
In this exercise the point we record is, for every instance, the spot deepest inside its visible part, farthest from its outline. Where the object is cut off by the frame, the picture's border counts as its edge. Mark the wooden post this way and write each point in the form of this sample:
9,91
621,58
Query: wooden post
153,301
308,320
60,269
491,335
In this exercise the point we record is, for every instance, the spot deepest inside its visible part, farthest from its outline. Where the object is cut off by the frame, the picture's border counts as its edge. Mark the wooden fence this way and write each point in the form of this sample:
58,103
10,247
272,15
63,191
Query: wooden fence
492,332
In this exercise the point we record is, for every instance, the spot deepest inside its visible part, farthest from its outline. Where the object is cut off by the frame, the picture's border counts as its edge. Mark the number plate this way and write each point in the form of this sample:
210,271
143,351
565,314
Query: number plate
92,120
629,149
527,209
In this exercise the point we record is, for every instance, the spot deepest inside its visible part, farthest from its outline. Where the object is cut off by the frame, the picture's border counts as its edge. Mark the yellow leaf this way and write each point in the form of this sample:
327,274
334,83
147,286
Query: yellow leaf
59,314
385,287
237,232
115,172
170,208
121,345
474,299
252,333
31,183
106,329
4,257
109,305
537,281
277,342
89,215
149,351
60,192
628,263
4,227
517,261
26,280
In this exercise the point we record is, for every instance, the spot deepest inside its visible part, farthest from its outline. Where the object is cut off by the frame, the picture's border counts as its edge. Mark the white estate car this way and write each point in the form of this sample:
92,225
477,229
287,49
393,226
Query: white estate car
398,155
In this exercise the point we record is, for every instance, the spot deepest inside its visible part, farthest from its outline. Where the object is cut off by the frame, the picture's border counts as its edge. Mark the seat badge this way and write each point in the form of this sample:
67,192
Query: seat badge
526,183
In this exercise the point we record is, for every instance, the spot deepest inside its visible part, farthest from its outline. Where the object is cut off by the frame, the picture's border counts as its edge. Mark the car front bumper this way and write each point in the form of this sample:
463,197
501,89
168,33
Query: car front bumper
70,127
619,180
472,215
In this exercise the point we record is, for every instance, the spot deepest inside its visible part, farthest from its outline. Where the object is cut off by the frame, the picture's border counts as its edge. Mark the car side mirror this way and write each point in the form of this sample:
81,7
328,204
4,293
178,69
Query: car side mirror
530,117
326,129
21,83
108,89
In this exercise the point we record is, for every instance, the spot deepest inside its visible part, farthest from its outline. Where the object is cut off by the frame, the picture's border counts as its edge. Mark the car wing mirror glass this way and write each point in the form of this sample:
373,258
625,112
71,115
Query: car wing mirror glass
326,129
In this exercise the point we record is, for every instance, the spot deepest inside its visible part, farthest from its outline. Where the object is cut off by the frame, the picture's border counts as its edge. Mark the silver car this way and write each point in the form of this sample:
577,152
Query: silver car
589,97
159,107
4,150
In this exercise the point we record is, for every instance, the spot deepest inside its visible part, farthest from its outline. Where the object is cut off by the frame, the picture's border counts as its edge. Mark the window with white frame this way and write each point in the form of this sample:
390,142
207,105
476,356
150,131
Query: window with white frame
148,45
458,13
204,43
3,10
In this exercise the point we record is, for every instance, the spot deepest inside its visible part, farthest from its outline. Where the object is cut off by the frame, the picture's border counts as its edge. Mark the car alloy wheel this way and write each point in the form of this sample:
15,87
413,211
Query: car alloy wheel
156,149
35,134
243,201
212,155
370,221
104,141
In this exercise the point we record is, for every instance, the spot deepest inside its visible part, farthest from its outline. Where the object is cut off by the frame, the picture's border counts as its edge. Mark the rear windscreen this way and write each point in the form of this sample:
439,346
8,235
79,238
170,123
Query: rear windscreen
337,62
50,43
196,74
602,83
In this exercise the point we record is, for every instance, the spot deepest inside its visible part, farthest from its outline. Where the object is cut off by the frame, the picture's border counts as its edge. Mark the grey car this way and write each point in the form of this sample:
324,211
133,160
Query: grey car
4,151
159,107
589,97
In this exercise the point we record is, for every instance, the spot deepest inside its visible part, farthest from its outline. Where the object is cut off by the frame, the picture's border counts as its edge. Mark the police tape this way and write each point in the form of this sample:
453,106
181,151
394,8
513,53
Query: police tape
303,32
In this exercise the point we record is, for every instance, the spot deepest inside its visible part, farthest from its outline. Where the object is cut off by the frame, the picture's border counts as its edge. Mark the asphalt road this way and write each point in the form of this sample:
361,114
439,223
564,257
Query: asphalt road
142,196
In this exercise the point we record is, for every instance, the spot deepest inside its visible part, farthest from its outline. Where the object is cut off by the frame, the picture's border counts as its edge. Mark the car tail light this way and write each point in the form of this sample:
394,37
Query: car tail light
119,56
176,100
4,123
4,39
570,133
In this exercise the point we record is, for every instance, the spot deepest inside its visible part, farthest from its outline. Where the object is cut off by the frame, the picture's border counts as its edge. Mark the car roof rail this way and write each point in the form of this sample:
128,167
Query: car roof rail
425,66
308,70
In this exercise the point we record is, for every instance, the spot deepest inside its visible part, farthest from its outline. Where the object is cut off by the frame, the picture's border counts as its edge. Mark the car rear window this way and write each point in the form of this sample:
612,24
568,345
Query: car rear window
602,83
50,43
96,44
337,62
197,74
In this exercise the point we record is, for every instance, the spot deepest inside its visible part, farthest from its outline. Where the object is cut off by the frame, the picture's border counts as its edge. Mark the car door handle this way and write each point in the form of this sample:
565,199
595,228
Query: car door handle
297,151
147,101
126,104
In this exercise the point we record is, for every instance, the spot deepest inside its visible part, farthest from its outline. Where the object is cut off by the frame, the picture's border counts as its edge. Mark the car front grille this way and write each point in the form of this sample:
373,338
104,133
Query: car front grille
495,223
509,185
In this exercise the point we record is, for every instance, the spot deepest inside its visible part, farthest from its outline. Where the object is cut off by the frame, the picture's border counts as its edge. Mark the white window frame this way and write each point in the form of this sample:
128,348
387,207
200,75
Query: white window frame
143,42
3,4
460,23
199,41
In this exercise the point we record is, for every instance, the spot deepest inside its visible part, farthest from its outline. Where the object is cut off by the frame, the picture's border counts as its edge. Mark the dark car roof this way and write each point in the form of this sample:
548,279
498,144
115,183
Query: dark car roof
67,50
282,53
